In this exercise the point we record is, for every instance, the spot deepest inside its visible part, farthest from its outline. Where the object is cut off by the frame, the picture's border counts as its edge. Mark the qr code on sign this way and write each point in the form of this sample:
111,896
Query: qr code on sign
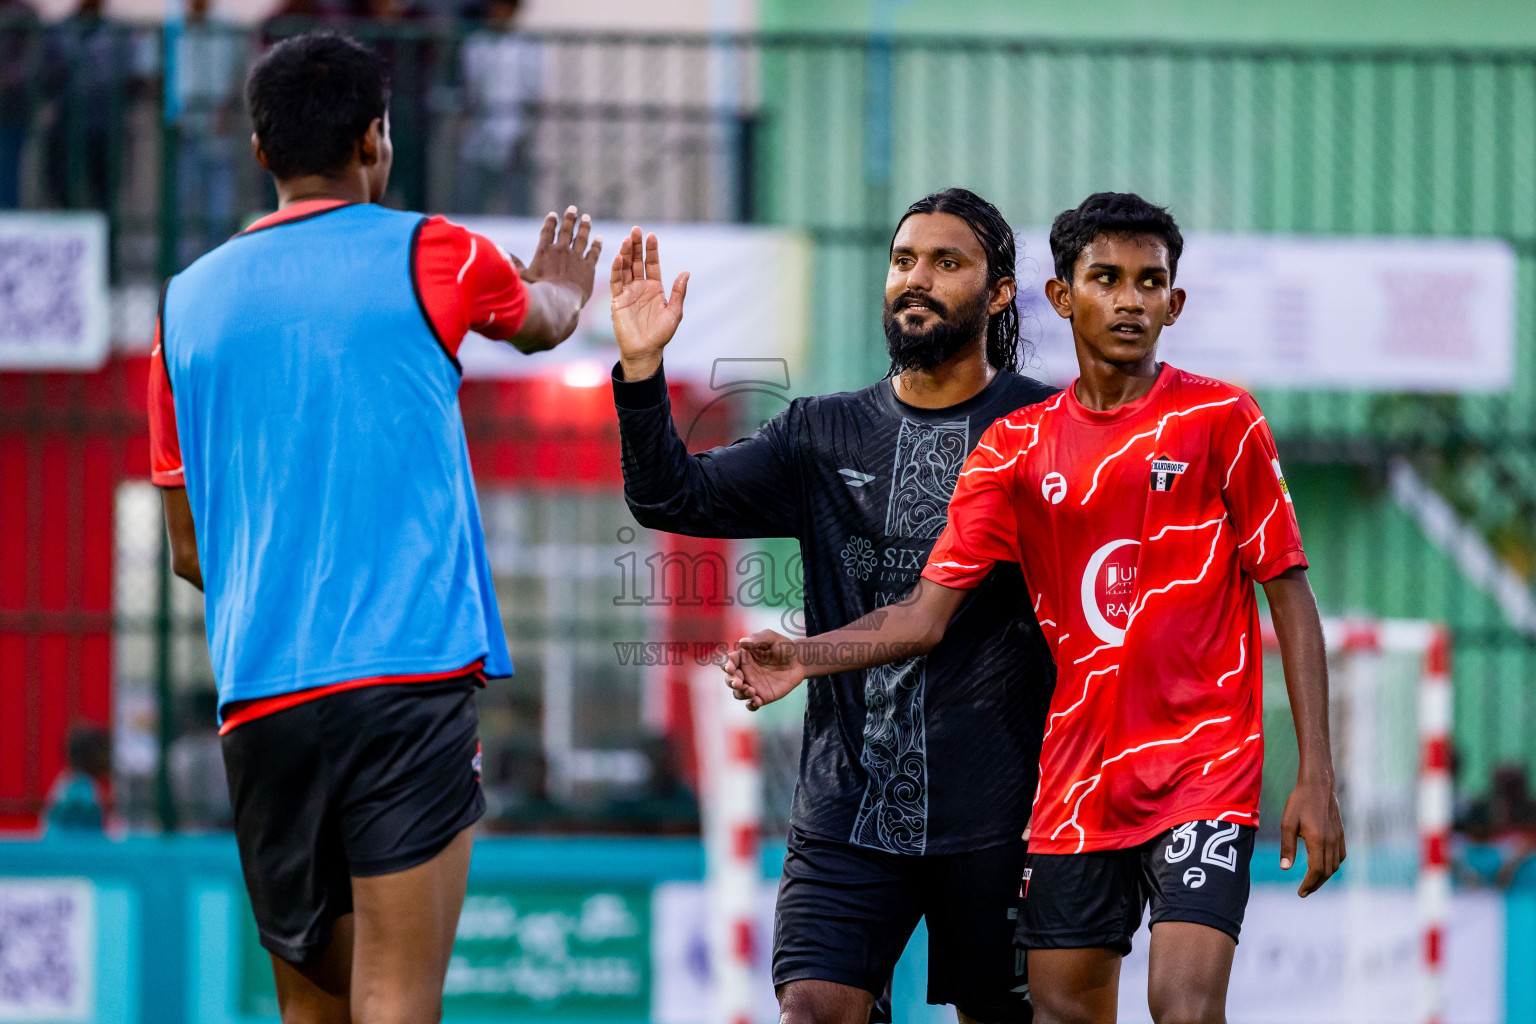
40,287
47,949
55,310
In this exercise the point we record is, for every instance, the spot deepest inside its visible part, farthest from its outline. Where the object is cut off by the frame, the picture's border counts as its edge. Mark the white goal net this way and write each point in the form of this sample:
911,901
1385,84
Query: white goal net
1384,918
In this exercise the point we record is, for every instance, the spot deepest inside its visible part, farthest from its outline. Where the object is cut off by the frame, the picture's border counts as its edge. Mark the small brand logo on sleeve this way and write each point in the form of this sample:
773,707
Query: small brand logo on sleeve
1284,490
1165,472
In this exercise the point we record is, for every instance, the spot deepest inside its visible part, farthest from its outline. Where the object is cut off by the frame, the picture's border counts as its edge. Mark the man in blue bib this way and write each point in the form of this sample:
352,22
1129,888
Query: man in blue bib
305,429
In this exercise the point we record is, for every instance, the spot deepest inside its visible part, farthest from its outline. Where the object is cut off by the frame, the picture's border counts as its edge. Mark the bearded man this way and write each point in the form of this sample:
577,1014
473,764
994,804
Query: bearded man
916,778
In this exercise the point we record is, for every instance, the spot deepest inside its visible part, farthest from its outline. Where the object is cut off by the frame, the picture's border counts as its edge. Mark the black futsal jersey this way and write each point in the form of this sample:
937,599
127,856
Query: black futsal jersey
931,755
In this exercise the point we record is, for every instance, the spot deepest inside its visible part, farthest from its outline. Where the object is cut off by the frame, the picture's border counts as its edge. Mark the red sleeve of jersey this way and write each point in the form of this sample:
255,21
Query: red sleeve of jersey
982,528
1254,490
466,283
164,446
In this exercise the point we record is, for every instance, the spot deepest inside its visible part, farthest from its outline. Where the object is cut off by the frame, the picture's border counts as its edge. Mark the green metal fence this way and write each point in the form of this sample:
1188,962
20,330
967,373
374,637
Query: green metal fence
837,134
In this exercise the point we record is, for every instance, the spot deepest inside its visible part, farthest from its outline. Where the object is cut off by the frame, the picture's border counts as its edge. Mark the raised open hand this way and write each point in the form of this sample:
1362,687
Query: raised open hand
763,668
644,319
562,256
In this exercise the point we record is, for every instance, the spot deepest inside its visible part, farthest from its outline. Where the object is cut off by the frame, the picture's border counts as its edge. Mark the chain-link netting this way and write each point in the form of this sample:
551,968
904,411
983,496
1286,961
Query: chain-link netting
1373,716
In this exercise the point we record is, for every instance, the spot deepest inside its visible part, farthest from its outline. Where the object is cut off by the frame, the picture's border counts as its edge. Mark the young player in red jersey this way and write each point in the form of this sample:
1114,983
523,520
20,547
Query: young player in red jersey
1142,503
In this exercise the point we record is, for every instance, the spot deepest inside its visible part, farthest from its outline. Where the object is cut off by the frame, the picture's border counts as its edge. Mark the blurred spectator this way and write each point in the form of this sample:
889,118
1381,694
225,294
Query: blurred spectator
522,802
502,78
210,65
664,803
294,16
410,54
18,34
91,67
197,765
1508,808
1499,829
77,803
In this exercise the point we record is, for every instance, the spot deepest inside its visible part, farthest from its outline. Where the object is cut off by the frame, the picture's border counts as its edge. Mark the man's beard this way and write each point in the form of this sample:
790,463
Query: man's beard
927,347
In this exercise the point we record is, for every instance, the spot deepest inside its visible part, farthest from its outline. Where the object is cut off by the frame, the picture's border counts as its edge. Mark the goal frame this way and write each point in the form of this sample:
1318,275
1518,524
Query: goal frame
1430,642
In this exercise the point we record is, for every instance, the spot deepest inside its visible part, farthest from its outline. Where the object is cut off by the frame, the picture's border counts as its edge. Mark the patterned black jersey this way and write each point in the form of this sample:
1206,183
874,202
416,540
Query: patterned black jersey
934,755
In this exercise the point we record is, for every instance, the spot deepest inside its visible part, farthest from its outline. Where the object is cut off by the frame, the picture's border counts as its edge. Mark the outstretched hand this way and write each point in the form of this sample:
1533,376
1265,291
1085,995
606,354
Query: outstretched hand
559,280
763,668
1312,812
562,255
644,318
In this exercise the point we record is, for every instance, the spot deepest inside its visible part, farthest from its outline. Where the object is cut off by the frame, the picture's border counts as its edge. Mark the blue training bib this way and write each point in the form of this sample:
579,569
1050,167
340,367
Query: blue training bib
326,465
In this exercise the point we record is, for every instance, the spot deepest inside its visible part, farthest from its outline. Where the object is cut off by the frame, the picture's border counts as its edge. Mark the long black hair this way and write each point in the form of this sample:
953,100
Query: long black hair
996,239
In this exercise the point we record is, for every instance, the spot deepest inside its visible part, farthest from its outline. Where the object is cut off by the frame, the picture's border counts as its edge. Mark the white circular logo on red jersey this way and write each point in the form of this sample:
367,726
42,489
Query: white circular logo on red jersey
1109,587
1053,488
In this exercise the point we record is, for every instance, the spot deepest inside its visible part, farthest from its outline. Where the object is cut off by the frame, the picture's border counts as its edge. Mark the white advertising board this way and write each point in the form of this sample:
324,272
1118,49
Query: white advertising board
54,310
748,298
1286,311
682,974
1337,957
1348,957
47,949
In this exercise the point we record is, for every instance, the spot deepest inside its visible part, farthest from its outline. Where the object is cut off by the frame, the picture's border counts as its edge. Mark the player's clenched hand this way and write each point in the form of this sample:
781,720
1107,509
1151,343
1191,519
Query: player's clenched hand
1312,812
644,318
763,668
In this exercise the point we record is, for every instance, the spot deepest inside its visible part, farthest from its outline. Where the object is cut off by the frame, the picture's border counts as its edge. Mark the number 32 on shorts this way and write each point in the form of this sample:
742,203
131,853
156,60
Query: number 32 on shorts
1217,850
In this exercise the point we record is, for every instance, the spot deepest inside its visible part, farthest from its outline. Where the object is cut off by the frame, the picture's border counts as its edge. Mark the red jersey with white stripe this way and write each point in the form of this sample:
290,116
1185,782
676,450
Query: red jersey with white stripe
1141,532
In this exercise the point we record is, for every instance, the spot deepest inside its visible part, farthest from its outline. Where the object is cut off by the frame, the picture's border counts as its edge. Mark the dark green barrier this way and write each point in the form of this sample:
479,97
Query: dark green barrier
552,929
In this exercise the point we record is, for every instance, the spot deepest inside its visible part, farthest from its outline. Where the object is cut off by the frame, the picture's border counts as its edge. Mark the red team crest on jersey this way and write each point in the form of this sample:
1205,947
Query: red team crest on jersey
1141,531
1165,472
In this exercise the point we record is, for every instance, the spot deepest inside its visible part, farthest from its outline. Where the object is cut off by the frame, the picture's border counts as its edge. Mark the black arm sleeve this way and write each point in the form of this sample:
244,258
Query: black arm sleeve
746,489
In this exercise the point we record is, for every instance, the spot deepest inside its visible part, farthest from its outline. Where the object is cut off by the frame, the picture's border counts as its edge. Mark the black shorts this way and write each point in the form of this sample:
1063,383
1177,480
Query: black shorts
358,783
845,913
1196,872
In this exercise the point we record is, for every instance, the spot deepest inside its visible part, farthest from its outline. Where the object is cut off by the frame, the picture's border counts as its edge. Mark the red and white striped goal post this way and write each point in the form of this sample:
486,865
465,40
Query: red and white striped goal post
1430,642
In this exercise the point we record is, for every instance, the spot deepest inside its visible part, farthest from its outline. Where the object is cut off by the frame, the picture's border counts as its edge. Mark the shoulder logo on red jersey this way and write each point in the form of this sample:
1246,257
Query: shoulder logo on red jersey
1165,472
1053,488
1284,490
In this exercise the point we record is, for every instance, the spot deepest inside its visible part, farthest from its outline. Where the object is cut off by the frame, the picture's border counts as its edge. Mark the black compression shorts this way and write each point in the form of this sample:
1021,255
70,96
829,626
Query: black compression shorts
1196,872
845,914
353,784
